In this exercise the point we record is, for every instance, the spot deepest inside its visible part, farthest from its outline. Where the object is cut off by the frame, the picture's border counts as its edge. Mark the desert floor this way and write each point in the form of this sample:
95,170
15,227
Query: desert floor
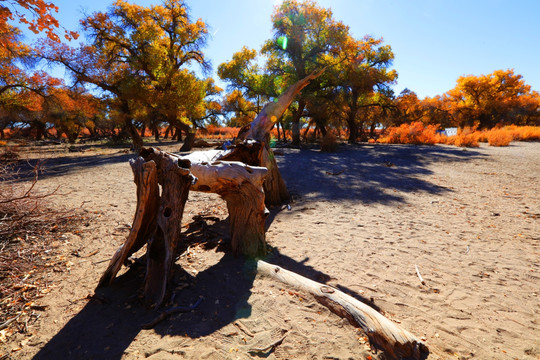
360,220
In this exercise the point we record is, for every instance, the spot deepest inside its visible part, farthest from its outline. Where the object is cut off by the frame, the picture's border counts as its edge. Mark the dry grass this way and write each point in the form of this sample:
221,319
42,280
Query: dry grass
28,227
499,137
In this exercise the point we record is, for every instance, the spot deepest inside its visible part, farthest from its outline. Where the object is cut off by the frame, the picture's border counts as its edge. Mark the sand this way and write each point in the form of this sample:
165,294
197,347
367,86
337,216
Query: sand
361,220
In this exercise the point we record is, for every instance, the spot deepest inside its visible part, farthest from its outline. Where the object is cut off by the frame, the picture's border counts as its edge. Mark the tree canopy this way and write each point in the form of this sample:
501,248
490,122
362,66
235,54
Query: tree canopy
145,67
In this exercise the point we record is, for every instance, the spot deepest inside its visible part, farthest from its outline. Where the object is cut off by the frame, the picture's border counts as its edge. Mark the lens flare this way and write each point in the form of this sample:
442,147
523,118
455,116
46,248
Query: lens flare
282,42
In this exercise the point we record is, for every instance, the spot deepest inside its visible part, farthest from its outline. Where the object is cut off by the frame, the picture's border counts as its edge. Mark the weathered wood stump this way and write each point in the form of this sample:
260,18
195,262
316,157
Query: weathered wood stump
240,185
144,221
157,220
243,185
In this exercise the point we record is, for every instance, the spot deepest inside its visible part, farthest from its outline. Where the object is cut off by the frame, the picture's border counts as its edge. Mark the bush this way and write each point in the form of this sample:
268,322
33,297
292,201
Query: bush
499,137
414,133
466,137
329,142
27,228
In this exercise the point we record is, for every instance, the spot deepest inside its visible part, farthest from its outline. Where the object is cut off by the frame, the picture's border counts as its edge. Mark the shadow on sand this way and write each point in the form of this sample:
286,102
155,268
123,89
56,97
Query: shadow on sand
112,319
366,173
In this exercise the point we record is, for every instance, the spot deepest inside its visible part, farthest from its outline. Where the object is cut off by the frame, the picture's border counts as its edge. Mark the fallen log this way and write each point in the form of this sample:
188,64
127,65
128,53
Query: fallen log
396,342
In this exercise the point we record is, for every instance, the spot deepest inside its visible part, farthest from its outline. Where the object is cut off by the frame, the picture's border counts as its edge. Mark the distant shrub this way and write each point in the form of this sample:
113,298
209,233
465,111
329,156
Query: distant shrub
524,133
413,133
218,132
329,142
499,137
466,137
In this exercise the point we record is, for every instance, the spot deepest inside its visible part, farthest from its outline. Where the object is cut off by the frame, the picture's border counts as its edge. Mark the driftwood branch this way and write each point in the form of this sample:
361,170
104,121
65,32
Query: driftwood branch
144,223
395,341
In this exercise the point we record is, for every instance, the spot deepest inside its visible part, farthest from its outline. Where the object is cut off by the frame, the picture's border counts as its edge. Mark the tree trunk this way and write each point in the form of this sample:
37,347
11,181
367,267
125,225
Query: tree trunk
353,131
130,127
144,222
296,123
155,130
240,186
255,153
135,137
274,185
188,142
157,220
167,131
396,342
175,179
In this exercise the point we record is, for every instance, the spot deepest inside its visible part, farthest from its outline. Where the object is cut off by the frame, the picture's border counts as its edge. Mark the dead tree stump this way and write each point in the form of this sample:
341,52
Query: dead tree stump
144,222
157,220
240,185
175,180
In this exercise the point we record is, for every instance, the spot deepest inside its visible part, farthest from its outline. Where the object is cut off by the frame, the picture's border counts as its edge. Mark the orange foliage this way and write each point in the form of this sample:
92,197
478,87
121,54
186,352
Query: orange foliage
499,137
523,133
414,133
41,18
466,137
218,132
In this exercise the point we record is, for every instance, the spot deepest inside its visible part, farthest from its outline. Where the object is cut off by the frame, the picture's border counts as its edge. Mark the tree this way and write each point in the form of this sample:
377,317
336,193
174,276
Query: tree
141,55
501,97
408,108
243,110
70,111
362,81
306,38
244,74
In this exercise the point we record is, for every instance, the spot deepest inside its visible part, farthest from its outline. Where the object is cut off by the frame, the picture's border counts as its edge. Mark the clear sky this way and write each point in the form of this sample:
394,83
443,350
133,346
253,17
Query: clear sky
434,41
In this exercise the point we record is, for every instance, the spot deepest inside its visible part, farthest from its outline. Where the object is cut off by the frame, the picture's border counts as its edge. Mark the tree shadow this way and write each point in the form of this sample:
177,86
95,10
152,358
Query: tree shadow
114,316
83,158
60,166
366,173
111,320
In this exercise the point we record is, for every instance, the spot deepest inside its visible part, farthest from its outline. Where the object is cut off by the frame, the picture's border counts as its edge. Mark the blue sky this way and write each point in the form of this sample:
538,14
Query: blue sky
434,41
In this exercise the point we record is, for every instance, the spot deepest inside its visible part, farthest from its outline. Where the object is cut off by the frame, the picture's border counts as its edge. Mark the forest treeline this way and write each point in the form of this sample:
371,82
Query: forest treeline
139,70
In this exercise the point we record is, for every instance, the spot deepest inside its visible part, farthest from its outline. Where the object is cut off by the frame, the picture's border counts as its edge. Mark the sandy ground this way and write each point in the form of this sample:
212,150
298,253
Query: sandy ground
361,219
